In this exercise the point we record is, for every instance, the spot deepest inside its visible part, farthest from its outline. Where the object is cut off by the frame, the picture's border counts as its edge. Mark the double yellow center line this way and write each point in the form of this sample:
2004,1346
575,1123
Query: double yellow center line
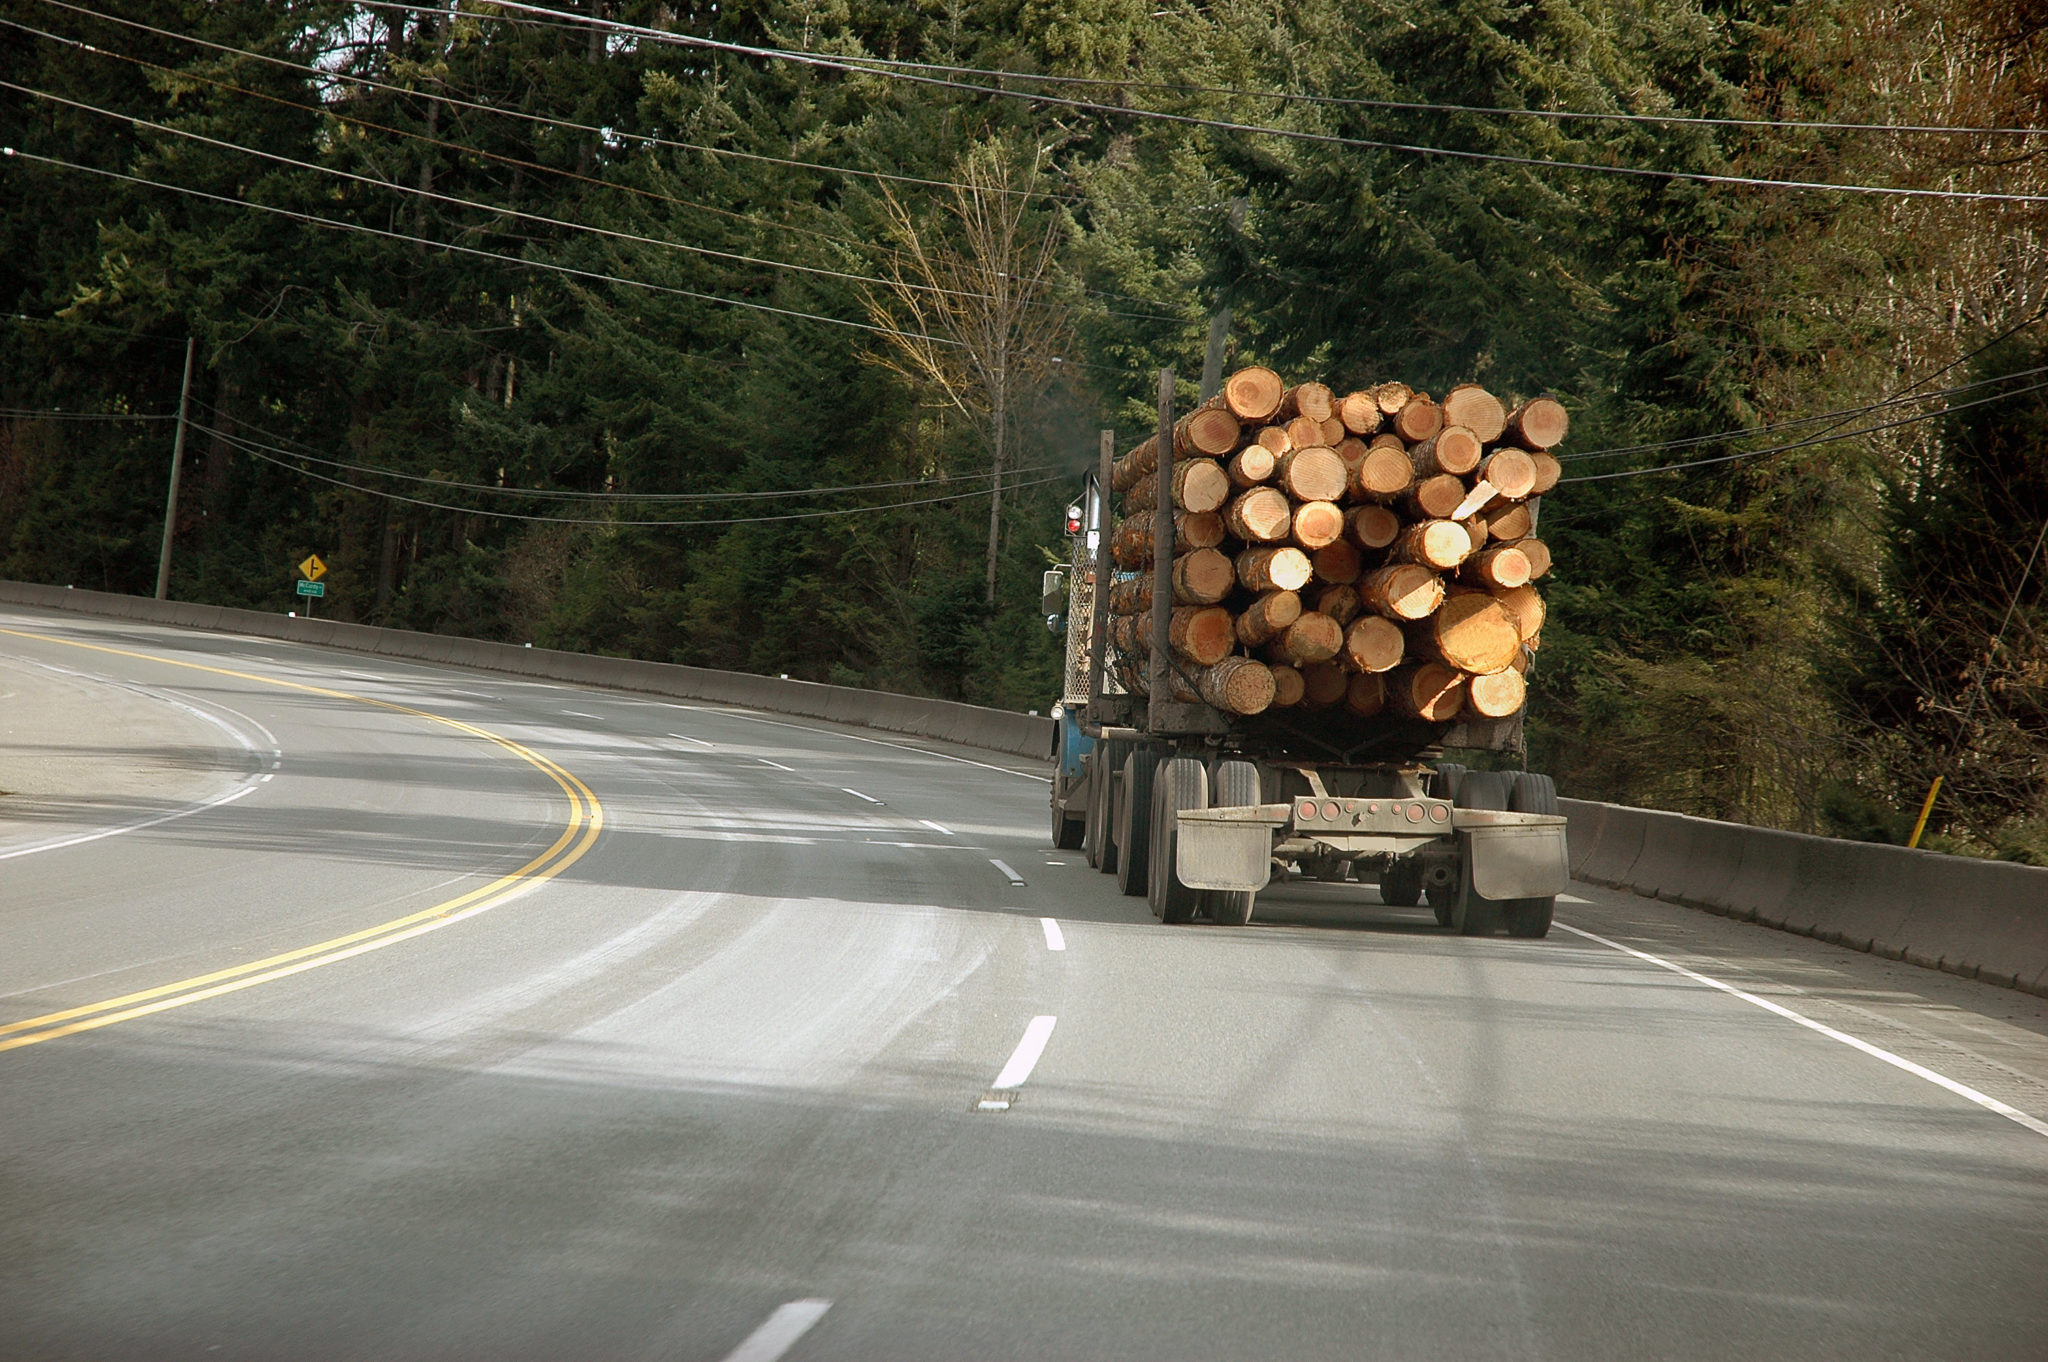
586,821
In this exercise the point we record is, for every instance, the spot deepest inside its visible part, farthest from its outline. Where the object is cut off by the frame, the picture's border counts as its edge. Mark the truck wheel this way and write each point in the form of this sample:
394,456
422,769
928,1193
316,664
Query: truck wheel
1103,763
1067,829
1237,784
1182,783
1401,883
1531,918
1134,821
1472,915
1443,782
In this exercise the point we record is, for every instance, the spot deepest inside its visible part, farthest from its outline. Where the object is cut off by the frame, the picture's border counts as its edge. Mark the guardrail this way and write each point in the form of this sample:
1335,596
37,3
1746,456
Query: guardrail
1984,919
999,730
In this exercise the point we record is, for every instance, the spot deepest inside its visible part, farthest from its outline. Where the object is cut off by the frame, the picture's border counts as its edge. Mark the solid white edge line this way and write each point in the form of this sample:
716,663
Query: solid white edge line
687,738
939,828
230,797
1962,1090
780,1331
1015,878
776,764
1025,1057
858,795
735,713
1055,940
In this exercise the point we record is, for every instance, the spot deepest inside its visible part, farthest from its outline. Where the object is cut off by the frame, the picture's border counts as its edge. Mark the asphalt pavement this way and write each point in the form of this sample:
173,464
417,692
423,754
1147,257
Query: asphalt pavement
397,1012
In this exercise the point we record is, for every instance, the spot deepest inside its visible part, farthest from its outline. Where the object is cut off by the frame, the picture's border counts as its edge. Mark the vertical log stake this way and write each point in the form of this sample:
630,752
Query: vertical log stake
1098,595
1162,555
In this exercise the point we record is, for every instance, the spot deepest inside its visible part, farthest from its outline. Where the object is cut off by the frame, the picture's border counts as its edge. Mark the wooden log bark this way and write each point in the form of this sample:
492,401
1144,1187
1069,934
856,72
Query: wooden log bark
1323,684
1317,524
1471,631
1198,485
1418,419
1373,643
1312,473
1540,423
1340,563
1497,696
1372,527
1474,407
1267,616
1454,449
1402,591
1340,603
1503,565
1548,471
1197,530
1202,634
1203,577
1260,515
1538,554
1253,393
1238,685
1312,400
1311,638
1525,606
1508,521
1433,498
1281,569
1427,690
1436,544
1381,474
1130,543
1251,466
1360,412
1511,471
1287,686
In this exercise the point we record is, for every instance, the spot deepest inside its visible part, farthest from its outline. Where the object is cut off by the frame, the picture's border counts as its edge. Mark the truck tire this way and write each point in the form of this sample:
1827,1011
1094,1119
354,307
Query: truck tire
1443,782
1181,783
1401,883
1472,915
1068,829
1530,919
1237,784
1103,764
1134,821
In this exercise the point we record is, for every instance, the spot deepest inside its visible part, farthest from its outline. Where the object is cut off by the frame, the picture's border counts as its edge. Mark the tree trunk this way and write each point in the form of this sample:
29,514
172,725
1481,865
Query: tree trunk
1427,690
1374,644
1287,686
1454,449
1238,685
1382,474
1472,632
1434,498
1317,524
1418,419
1253,393
1339,563
1404,591
1282,569
1340,603
1260,516
1313,473
1437,544
1511,471
1323,684
1504,565
1372,527
1252,465
1360,412
1476,409
1201,634
1311,638
1496,696
1540,423
1267,616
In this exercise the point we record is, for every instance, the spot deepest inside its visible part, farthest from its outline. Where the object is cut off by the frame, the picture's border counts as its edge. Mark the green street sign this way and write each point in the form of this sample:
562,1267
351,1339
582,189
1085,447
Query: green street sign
307,588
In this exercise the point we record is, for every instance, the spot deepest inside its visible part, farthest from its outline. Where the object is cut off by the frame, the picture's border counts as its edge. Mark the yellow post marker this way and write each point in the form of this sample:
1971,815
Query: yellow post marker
1926,807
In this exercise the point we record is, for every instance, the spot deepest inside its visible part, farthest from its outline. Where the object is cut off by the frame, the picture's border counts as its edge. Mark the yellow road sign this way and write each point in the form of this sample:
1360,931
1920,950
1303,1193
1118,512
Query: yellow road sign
312,569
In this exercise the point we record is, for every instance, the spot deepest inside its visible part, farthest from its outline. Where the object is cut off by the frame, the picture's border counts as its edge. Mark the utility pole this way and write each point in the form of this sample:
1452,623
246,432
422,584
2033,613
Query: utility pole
163,560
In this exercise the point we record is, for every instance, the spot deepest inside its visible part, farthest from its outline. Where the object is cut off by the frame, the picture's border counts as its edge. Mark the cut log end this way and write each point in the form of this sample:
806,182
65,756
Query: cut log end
1372,527
1374,644
1540,423
1253,393
1474,407
1280,569
1428,690
1498,696
1402,591
1360,412
1238,685
1317,524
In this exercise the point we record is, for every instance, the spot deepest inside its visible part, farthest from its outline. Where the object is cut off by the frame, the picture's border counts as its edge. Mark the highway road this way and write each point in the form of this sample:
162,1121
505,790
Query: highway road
358,1009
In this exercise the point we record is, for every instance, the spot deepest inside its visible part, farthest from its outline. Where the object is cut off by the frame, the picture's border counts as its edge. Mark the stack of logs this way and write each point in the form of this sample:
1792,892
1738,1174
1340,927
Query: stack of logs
1372,551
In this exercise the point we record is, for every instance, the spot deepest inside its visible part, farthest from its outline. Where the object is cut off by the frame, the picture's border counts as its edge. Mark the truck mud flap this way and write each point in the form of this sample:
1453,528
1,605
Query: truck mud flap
1218,854
1517,862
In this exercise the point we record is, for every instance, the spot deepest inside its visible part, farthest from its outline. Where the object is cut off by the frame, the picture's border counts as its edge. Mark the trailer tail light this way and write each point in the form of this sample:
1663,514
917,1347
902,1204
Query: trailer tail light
1438,813
1308,812
1414,812
1330,812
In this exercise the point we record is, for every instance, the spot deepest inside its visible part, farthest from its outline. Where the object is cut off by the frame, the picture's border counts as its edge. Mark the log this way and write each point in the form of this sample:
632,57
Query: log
1198,485
1482,495
1268,615
1402,591
1253,393
1538,554
1437,544
1202,634
1476,531
1372,527
1312,400
1210,430
1497,696
1323,684
1511,471
1373,644
1311,638
1365,695
1340,603
1525,607
1333,430
1434,498
1509,521
1317,524
1500,566
1274,438
1135,463
1340,563
1471,631
1427,690
1360,412
1287,686
1454,449
1475,408
1418,419
1548,471
1386,439
1301,432
1313,473
1283,569
1392,396
1238,685
1539,423
1382,474
1197,530
1260,515
1203,577
1251,466
1130,544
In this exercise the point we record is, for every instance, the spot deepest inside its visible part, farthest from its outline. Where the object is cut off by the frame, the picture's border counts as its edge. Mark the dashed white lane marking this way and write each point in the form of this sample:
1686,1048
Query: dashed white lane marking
266,777
780,1331
939,828
581,715
1055,940
858,795
687,738
776,764
1961,1090
1013,876
738,713
1025,1057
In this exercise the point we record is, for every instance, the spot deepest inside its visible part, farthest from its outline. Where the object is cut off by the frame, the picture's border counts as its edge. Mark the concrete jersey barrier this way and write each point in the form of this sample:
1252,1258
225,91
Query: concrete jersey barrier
1023,735
1984,919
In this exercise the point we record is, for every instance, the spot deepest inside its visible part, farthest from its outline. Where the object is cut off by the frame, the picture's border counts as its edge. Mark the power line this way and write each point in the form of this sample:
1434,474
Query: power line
1223,125
59,414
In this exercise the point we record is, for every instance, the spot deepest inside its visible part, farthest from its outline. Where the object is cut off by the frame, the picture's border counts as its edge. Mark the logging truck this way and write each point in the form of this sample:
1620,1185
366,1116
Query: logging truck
1194,771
